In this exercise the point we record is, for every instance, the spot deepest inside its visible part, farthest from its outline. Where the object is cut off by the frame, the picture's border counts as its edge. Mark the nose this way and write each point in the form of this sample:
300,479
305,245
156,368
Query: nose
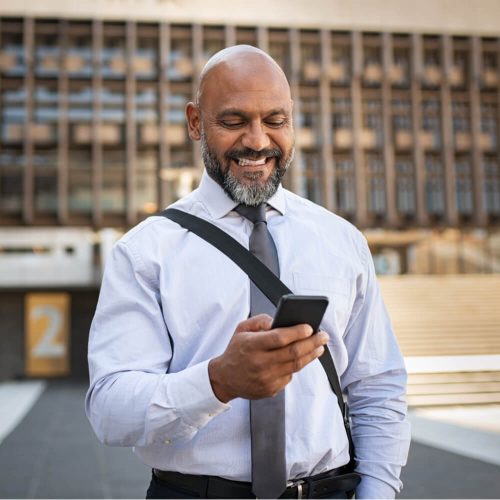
255,137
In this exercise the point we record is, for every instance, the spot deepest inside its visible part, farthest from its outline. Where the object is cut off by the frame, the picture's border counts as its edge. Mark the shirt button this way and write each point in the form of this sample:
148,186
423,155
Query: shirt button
210,414
167,441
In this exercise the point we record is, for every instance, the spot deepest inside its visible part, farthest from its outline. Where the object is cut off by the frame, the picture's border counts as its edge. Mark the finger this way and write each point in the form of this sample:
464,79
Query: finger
299,348
297,364
281,337
260,322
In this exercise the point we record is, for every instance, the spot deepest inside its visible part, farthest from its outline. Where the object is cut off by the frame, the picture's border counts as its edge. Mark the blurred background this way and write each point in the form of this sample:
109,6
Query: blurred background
397,117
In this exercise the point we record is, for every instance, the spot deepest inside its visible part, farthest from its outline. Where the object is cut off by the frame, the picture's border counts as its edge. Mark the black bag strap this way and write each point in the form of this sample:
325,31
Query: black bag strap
269,284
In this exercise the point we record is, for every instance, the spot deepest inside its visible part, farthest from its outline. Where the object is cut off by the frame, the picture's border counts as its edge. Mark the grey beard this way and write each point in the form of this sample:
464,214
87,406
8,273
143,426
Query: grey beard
251,194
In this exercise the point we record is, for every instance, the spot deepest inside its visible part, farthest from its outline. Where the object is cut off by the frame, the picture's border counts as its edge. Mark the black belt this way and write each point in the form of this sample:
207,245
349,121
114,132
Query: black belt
336,480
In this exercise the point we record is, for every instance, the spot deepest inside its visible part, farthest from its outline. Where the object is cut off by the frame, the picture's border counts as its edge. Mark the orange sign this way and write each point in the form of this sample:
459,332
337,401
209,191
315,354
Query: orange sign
47,334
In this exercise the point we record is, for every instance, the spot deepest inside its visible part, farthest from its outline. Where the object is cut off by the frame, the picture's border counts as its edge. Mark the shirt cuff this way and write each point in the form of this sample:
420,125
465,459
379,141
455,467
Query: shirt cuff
371,487
193,397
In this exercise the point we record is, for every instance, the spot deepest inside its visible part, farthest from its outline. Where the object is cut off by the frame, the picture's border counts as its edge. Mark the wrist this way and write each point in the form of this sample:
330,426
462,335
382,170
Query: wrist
221,393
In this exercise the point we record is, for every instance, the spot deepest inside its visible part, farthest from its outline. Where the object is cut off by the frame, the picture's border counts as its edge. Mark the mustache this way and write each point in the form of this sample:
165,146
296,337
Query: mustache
252,154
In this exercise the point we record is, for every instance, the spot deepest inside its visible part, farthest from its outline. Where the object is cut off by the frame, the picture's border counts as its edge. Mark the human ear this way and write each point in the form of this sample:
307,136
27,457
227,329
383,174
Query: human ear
193,119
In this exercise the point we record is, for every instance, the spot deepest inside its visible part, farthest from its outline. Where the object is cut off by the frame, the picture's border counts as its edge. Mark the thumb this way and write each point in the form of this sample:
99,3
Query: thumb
255,324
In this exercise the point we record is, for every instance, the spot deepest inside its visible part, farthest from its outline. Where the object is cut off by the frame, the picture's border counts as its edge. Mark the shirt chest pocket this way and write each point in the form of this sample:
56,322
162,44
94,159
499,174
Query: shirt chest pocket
337,288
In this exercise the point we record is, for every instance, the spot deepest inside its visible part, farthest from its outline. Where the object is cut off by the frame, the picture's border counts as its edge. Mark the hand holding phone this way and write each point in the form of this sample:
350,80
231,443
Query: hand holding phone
297,309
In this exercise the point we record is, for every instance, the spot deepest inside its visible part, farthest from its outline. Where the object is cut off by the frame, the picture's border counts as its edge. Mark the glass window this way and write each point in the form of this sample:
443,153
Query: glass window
491,170
376,184
311,179
78,58
12,61
405,186
372,65
13,113
181,60
45,188
345,188
47,54
341,66
372,119
80,192
464,187
113,57
431,120
434,185
146,58
489,123
401,66
342,112
12,161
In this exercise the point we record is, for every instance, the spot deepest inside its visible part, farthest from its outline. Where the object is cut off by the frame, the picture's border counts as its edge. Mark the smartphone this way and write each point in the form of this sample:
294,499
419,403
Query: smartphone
297,309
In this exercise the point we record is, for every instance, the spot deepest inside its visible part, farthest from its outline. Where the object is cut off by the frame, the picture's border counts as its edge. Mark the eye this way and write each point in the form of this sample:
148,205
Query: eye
232,123
276,122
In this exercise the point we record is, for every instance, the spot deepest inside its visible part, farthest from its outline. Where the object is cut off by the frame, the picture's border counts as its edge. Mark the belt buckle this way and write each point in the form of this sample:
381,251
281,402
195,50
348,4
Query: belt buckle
297,483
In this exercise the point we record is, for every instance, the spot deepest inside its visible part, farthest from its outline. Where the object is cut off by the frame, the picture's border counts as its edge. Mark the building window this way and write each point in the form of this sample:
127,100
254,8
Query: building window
489,125
434,185
47,54
12,162
432,62
342,122
311,178
372,64
464,187
431,123
12,61
461,125
345,187
113,185
78,56
340,67
80,180
146,187
13,113
491,170
113,54
402,123
376,184
279,49
405,186
373,134
181,60
309,121
146,57
460,69
310,58
400,72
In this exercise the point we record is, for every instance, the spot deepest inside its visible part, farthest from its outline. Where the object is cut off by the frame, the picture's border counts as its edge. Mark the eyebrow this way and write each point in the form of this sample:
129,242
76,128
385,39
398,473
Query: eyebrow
238,112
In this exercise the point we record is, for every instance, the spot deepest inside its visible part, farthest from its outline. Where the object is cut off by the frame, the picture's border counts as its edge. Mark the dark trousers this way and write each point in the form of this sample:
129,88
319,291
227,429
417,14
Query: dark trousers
162,489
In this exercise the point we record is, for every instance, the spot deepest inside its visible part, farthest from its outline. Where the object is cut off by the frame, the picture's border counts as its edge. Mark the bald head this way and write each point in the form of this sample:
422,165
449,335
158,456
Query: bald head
239,60
243,119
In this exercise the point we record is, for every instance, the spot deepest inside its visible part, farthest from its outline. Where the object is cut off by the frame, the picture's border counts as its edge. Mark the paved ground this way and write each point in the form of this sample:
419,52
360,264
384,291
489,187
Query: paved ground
53,453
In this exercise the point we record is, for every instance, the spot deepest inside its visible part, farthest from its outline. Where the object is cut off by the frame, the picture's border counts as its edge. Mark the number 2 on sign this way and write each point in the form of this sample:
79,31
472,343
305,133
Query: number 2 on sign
47,346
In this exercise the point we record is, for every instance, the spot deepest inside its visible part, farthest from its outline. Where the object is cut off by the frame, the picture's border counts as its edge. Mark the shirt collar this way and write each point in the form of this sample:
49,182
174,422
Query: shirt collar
218,203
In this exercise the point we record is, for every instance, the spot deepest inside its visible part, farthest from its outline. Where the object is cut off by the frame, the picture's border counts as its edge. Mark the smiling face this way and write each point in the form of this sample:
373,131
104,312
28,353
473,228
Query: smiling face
244,122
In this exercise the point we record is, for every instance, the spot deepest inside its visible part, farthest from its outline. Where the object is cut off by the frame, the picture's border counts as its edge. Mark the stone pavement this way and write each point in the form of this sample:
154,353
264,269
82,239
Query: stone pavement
53,453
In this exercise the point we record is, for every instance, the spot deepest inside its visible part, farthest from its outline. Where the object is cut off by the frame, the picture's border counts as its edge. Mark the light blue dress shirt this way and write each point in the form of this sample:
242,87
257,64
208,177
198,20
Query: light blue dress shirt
170,302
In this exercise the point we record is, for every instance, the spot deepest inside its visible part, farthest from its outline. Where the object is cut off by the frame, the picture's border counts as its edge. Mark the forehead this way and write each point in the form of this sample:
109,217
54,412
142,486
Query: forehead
253,85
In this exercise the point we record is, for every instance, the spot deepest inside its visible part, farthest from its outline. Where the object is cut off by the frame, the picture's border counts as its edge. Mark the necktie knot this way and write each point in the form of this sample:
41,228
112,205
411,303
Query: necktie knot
253,214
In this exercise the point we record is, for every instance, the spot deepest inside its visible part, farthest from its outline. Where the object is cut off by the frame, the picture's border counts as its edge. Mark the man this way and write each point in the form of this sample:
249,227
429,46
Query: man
174,357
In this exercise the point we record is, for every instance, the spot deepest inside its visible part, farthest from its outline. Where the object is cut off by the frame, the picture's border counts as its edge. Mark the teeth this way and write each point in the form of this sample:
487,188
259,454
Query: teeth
244,162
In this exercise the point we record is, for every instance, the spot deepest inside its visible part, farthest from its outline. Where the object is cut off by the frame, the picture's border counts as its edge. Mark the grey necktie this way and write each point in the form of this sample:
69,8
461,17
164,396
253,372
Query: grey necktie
267,416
